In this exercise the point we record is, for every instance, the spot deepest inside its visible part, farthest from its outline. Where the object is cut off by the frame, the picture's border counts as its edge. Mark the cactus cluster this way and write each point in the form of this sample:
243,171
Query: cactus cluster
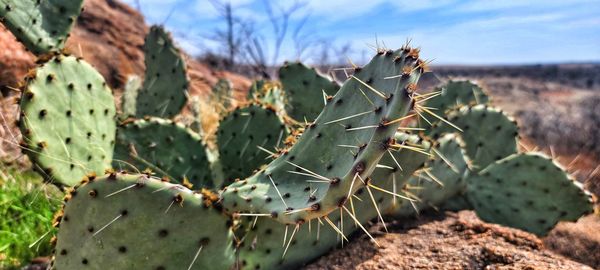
341,157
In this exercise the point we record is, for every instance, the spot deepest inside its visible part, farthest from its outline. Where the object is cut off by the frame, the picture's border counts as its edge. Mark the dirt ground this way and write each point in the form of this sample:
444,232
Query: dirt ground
445,241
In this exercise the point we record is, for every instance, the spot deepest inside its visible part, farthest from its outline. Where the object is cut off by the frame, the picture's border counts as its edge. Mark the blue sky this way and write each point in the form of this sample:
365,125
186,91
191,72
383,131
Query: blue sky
448,31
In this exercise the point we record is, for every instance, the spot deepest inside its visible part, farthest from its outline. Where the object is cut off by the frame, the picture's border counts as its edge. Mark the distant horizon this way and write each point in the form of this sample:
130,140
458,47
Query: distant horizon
449,32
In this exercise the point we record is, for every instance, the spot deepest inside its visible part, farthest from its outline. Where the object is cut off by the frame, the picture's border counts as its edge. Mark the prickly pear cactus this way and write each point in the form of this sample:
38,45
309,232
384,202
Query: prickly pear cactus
195,107
343,145
269,246
455,94
527,191
255,89
222,93
42,26
130,93
167,148
305,90
488,133
443,175
397,166
67,120
244,136
136,222
164,92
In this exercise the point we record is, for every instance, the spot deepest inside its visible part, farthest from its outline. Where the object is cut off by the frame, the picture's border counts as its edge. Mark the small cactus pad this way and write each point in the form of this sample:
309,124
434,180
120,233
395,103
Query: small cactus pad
42,26
164,92
222,93
527,191
455,94
129,98
304,88
272,95
488,133
68,120
165,147
255,89
241,133
342,146
441,179
136,222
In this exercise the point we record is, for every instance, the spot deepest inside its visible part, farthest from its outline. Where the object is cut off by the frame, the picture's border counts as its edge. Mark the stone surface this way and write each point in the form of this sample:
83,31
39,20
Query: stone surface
445,241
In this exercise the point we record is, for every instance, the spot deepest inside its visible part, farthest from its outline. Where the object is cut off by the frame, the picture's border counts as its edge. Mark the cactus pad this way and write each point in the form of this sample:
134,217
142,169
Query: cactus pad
164,92
304,88
222,93
527,191
443,176
167,148
267,239
488,133
255,89
455,94
394,177
241,133
342,146
42,26
136,222
68,120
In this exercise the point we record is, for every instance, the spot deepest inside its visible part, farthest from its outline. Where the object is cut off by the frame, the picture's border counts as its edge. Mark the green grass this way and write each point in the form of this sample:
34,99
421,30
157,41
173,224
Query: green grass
27,206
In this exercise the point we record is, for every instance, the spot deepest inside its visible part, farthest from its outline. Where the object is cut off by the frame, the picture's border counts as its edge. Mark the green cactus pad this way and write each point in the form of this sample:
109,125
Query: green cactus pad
488,133
264,244
255,89
394,177
136,222
527,191
42,26
445,173
167,148
222,93
346,141
164,92
455,94
241,133
273,96
68,120
264,239
304,88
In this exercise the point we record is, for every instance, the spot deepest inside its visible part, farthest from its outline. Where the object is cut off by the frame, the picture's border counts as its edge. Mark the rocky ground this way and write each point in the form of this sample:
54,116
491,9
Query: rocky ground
445,241
549,102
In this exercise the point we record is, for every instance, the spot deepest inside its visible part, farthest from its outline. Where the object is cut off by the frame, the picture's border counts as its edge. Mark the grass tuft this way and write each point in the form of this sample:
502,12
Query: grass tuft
27,206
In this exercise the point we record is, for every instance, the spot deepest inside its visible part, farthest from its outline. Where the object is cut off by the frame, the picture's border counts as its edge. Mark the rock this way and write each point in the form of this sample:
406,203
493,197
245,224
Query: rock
579,241
445,241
